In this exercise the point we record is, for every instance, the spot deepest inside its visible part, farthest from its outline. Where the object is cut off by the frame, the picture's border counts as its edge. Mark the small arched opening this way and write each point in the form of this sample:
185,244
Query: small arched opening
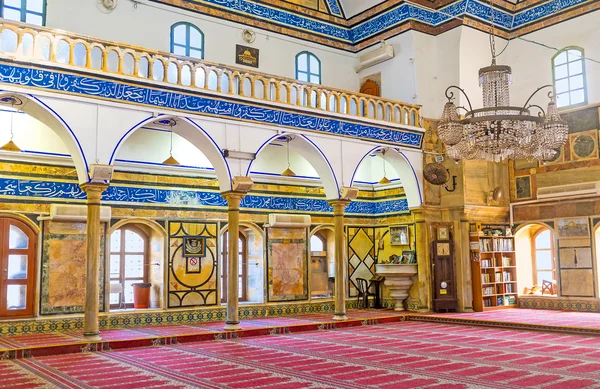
322,262
136,256
536,260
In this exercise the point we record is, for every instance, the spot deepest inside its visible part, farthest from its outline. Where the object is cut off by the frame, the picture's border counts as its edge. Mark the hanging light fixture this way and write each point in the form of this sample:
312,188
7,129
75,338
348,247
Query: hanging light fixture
384,180
171,160
11,146
288,172
499,131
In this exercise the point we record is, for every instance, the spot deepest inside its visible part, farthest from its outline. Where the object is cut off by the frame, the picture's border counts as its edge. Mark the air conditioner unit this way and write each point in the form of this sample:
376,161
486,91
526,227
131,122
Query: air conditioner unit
581,189
69,212
284,220
376,56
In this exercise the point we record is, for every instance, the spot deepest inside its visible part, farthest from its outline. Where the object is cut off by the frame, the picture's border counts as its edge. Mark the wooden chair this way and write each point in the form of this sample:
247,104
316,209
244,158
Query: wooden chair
548,286
363,292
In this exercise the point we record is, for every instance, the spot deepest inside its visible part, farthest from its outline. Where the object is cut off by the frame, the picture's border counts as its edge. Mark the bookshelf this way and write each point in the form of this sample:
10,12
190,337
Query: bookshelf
494,271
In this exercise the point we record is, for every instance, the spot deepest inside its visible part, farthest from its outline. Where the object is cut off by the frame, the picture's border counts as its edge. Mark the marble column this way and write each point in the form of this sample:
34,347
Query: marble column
340,258
91,326
420,292
463,261
232,322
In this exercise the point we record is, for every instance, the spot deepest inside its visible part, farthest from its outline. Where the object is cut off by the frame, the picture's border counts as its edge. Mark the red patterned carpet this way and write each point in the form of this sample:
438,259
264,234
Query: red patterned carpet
530,317
396,355
26,345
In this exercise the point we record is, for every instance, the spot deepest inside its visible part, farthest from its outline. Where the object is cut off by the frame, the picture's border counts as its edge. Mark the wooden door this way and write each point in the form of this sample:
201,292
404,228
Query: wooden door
17,263
370,88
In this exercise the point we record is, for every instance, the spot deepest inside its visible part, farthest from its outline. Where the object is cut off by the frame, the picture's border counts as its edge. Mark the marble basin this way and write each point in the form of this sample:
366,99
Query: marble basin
398,279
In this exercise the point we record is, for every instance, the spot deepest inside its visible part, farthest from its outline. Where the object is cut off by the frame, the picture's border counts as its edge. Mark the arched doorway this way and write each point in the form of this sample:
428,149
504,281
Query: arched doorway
536,259
370,87
17,261
136,251
322,263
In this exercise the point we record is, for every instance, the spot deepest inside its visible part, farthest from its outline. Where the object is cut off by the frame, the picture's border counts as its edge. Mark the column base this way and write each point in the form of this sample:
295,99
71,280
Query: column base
232,326
340,316
91,336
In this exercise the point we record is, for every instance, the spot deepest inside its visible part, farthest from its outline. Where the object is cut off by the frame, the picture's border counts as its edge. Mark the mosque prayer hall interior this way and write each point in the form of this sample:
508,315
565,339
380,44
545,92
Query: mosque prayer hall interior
299,194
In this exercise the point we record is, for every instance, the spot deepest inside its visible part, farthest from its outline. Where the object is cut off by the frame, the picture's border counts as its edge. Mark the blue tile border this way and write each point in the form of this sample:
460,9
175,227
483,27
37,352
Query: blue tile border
393,16
199,104
180,198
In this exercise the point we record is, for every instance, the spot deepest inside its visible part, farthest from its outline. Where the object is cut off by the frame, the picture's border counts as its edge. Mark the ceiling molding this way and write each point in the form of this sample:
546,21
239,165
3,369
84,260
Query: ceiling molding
389,18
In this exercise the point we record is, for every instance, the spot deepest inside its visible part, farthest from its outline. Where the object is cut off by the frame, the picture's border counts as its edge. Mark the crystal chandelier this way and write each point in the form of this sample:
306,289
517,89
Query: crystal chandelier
499,131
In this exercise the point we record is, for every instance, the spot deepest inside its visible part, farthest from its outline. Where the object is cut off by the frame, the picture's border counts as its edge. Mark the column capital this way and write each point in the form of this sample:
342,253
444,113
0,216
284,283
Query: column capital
232,196
339,203
93,190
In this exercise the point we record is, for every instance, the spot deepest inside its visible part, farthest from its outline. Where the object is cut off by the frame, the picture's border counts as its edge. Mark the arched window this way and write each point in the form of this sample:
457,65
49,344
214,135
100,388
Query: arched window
242,267
543,257
128,264
568,68
317,243
27,11
188,40
308,68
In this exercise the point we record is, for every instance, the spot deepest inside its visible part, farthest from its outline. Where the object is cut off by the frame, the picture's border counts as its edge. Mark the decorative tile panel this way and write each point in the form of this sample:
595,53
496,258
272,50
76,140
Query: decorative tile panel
392,17
116,194
186,287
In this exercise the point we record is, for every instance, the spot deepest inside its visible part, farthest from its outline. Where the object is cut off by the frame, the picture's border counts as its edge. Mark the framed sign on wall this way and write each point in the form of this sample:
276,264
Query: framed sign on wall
247,56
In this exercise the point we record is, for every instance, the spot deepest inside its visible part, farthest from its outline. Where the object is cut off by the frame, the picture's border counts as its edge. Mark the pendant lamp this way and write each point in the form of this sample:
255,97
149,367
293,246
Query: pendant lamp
171,160
384,180
11,146
288,172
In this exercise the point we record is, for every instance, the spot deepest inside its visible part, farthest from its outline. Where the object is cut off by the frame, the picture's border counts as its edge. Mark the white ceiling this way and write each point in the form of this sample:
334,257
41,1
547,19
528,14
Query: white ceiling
354,7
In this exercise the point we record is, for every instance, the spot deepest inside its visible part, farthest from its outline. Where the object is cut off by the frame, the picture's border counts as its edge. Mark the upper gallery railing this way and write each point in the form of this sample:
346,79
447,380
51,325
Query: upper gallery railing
21,40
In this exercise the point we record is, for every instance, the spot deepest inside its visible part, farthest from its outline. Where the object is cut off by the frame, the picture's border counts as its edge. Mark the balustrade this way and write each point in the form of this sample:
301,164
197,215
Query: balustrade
23,41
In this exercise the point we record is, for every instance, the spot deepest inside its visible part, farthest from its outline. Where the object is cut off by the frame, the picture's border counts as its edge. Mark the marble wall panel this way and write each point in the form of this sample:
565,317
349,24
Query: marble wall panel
287,264
63,267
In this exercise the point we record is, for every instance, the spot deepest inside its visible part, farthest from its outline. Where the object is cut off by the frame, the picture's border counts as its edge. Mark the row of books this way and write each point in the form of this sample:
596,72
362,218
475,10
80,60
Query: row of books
509,288
500,300
506,262
498,277
496,244
488,290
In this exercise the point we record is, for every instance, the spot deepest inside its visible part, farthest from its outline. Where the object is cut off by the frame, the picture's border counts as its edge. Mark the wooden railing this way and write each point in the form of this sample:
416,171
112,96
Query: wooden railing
18,40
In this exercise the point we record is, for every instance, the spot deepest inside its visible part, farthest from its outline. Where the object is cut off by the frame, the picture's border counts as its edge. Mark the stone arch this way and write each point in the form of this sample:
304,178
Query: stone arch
315,157
147,222
40,111
197,136
405,170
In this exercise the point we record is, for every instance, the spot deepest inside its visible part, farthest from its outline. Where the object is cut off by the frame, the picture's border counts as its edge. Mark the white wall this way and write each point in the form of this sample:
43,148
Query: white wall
149,26
531,63
437,67
397,74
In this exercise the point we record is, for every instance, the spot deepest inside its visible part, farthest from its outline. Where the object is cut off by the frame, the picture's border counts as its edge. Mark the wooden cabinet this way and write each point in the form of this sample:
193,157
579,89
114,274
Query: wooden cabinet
494,271
444,283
